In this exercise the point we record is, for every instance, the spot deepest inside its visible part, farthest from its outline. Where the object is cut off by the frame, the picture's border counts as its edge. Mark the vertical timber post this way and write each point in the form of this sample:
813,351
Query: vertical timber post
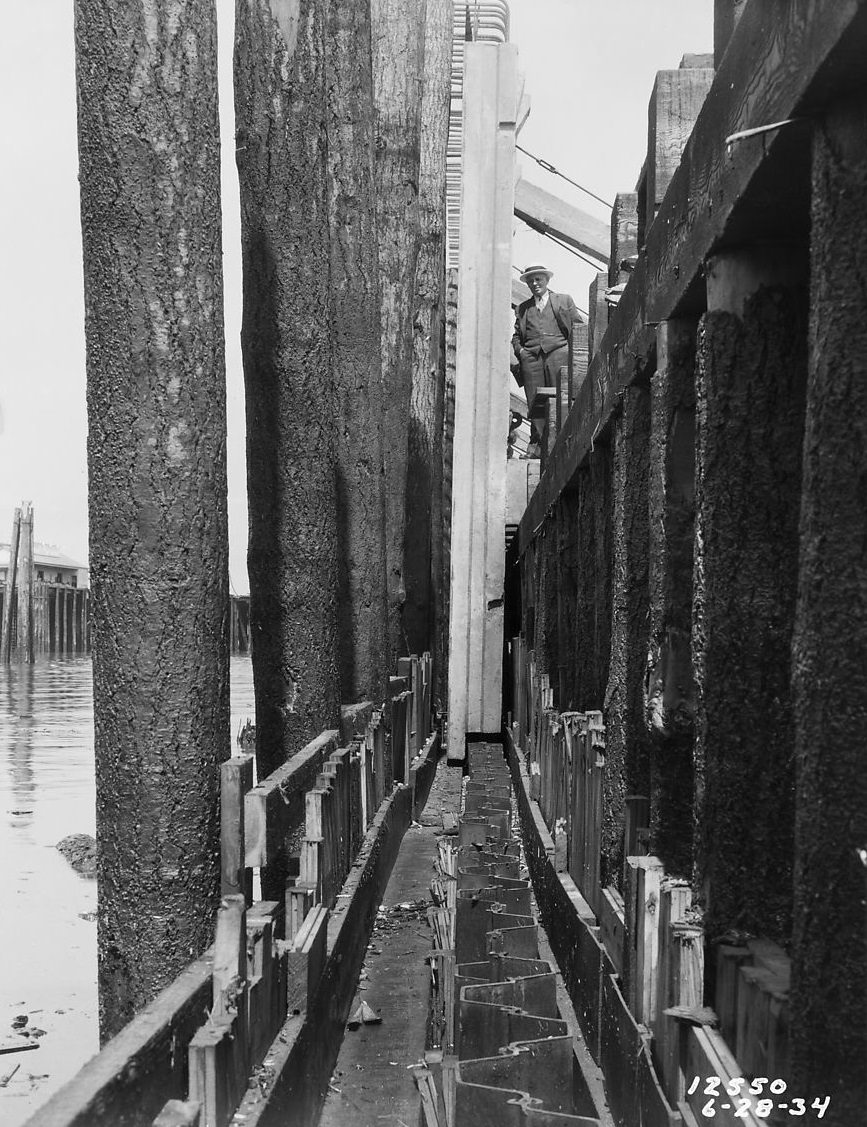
423,536
362,603
626,738
24,648
598,307
677,98
828,1035
398,59
624,235
60,600
669,687
481,394
280,116
750,385
11,587
150,213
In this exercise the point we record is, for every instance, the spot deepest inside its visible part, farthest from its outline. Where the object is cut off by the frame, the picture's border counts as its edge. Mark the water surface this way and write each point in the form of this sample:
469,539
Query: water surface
47,925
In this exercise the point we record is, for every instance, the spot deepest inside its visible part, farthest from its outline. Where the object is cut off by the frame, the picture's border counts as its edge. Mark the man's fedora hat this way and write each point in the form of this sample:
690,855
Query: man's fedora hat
536,270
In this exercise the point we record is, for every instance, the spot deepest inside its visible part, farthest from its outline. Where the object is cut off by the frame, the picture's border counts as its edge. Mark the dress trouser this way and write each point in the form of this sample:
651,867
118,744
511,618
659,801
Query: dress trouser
541,371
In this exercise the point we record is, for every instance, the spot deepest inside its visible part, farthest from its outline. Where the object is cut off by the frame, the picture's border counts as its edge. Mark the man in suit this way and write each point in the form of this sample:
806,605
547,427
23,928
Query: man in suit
543,325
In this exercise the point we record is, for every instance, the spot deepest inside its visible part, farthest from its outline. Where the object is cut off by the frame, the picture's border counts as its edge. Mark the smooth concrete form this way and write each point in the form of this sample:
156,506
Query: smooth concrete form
371,1082
481,392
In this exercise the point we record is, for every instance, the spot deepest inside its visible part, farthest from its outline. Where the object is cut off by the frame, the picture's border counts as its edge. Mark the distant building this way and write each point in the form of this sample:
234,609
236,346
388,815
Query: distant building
50,565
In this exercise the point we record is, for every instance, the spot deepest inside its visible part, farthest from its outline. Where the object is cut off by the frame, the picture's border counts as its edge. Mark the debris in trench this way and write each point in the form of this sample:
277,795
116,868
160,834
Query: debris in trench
18,1046
364,1015
4,1080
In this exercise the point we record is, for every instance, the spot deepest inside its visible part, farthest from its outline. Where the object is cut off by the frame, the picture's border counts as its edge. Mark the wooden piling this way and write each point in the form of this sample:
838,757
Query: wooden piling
24,648
356,361
397,28
750,380
61,620
627,753
424,513
829,980
156,394
669,693
281,120
10,598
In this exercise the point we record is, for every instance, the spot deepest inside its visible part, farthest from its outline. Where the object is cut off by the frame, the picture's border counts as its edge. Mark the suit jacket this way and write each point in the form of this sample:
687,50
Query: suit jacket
562,306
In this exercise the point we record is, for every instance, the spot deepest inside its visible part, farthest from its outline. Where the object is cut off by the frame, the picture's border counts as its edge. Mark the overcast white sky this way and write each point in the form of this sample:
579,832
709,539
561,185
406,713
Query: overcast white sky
589,67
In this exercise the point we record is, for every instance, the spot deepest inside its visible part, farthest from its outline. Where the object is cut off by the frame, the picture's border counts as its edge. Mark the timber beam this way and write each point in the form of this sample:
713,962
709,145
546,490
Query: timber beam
548,214
784,62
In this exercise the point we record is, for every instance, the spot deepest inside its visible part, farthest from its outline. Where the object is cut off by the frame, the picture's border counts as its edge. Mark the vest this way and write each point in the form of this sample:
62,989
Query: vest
542,329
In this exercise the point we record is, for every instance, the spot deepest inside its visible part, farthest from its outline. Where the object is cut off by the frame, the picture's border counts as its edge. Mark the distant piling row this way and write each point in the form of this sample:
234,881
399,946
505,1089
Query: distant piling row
38,616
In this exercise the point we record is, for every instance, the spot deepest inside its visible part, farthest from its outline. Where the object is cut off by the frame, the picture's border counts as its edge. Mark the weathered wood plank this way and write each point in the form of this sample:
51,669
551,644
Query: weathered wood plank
236,779
624,235
178,1113
707,1056
543,211
306,960
675,103
276,805
622,1040
354,718
218,1068
649,872
230,956
598,308
266,990
612,925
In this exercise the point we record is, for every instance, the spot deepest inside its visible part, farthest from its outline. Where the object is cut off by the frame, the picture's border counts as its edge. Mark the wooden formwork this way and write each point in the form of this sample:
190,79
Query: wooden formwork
635,971
188,1057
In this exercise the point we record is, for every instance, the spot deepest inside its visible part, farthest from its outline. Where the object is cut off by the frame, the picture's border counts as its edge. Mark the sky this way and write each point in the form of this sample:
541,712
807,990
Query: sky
589,67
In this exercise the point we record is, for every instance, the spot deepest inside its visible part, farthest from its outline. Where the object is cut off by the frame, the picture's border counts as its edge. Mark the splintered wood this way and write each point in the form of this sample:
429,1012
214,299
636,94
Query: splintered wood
442,920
